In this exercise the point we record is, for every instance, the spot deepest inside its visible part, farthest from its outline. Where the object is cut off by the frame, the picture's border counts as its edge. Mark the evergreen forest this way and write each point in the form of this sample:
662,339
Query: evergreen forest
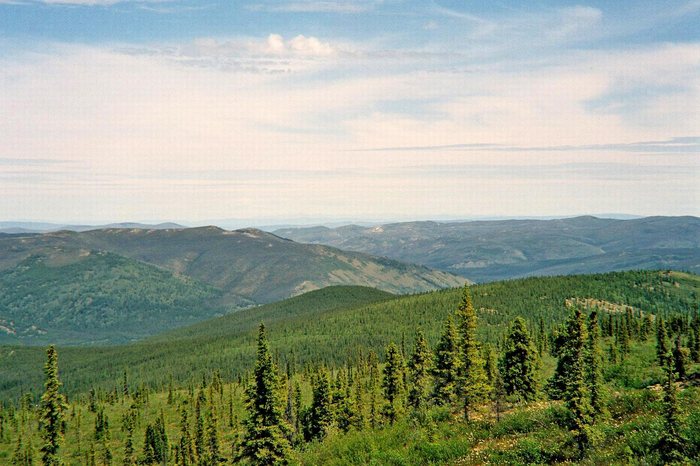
585,369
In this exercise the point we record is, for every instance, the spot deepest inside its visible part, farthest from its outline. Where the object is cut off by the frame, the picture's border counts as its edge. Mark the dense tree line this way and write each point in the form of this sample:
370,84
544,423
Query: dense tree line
464,374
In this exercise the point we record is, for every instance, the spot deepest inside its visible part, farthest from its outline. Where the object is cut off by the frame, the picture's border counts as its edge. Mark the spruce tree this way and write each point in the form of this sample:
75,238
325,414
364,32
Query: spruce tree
419,366
264,441
297,408
519,363
23,454
213,452
447,366
358,421
53,405
150,446
541,338
490,363
129,422
671,444
623,339
319,418
680,355
662,348
372,389
473,384
569,380
125,385
647,326
392,384
345,408
594,361
199,447
694,345
185,446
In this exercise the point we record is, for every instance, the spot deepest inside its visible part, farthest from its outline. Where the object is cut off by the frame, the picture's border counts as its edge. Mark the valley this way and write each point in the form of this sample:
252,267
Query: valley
496,250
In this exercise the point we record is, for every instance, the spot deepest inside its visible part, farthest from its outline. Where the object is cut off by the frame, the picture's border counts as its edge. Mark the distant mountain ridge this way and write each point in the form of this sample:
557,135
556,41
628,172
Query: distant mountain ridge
494,250
97,286
42,227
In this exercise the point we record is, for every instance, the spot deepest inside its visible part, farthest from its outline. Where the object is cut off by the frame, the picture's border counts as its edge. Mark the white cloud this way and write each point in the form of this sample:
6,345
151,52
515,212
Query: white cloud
150,138
299,45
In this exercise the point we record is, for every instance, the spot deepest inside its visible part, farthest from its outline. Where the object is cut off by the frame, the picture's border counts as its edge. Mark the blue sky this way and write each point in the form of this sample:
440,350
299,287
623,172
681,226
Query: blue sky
366,109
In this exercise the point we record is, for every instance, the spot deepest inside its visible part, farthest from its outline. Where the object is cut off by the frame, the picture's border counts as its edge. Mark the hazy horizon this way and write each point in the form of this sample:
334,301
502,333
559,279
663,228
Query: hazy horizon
272,224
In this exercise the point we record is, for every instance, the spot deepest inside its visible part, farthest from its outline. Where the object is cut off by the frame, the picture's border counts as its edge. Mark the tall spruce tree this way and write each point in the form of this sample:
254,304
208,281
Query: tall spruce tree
213,452
672,443
662,347
199,447
447,366
392,384
358,421
472,384
372,388
265,441
680,356
319,417
519,363
569,380
53,405
594,361
694,344
185,446
419,366
128,425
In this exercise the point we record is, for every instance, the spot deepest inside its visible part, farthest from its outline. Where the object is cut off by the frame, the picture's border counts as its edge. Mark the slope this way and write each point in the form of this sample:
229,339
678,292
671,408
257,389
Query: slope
495,250
96,297
335,325
249,266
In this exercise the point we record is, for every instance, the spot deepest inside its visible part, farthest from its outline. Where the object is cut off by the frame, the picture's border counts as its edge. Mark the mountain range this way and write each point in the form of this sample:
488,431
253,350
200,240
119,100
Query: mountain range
115,285
494,250
43,227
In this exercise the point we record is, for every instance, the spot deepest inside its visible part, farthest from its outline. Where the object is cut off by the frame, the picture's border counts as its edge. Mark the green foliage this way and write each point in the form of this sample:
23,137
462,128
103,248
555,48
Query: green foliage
97,298
330,326
472,385
569,380
671,444
155,444
318,419
420,366
519,363
392,383
515,433
593,363
52,407
662,347
264,441
446,369
246,267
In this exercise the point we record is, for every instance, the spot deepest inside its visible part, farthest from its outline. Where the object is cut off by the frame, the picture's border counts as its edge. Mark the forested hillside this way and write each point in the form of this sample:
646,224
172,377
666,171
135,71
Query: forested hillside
598,369
118,285
495,250
97,297
335,324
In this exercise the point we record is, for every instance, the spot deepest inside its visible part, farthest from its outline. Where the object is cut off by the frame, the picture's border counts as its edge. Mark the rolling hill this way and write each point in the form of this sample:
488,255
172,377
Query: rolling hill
493,250
117,285
336,324
97,298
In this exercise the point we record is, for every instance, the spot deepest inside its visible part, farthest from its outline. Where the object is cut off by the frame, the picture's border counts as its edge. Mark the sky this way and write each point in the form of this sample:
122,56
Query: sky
286,110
